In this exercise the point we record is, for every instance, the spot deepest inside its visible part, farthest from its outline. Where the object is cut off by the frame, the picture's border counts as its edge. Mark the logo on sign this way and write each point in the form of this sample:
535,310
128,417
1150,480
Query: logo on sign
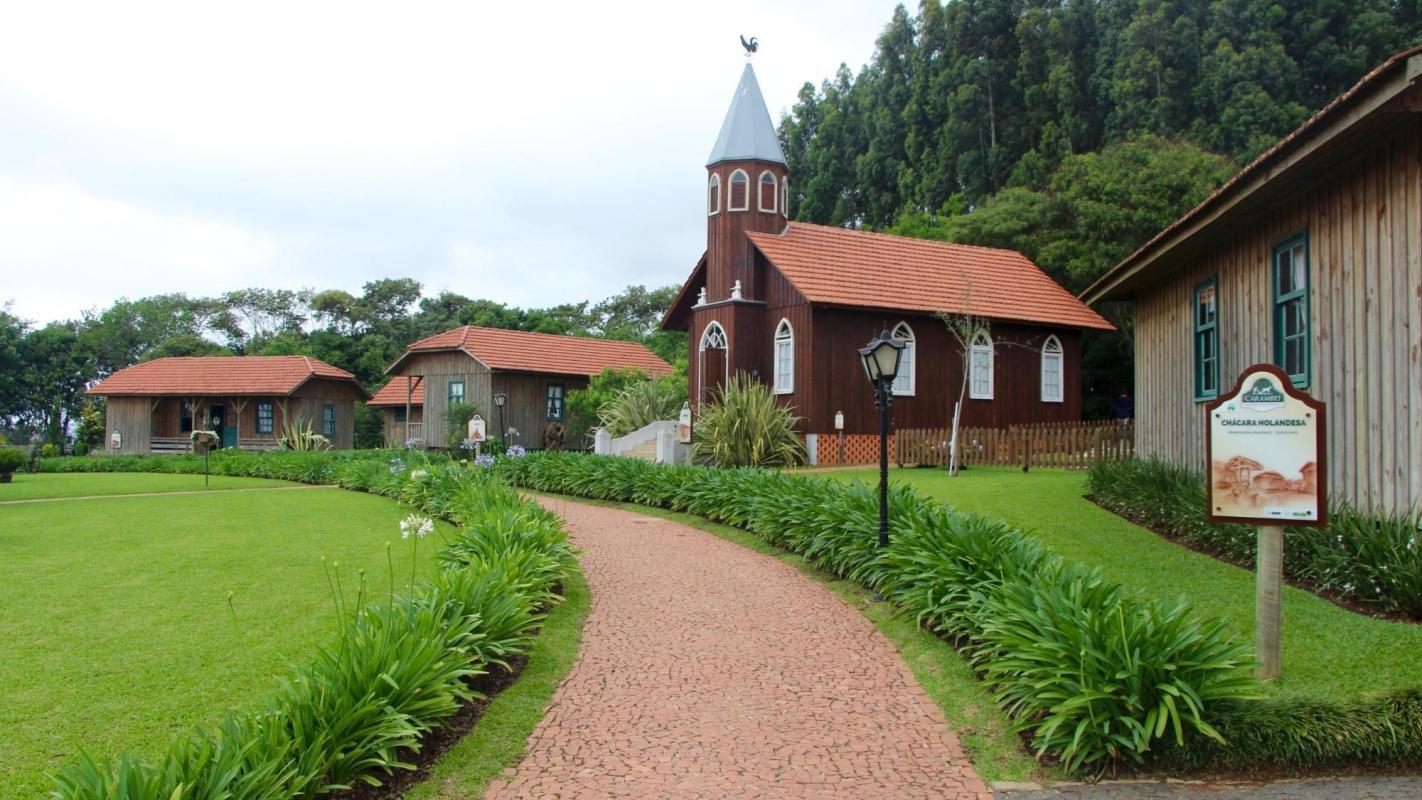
1262,396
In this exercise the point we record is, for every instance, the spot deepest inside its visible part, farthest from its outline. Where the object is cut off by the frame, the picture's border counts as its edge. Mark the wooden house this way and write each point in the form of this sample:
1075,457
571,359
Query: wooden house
790,304
1310,258
153,407
398,400
533,372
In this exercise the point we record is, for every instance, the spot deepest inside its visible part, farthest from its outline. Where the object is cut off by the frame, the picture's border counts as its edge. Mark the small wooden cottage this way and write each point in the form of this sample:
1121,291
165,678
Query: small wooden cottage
153,407
791,303
1310,258
400,399
531,372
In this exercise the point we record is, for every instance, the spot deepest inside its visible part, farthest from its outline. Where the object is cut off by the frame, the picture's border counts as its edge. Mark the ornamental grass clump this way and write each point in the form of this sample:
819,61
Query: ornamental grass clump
641,403
397,668
743,426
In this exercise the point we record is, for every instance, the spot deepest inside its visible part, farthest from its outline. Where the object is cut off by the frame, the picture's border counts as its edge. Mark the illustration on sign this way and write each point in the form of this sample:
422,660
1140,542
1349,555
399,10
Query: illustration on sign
1266,450
476,429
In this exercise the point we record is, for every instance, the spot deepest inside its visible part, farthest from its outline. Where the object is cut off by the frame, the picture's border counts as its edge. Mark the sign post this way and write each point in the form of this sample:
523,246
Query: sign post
1268,468
839,432
476,433
683,424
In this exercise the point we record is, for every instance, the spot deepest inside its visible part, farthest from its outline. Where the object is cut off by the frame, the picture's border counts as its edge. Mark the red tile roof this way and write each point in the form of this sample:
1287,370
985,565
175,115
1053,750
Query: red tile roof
521,351
836,266
218,375
393,393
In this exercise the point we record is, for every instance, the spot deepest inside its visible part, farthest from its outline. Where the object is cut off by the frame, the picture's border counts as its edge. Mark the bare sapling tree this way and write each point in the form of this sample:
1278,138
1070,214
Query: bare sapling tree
965,325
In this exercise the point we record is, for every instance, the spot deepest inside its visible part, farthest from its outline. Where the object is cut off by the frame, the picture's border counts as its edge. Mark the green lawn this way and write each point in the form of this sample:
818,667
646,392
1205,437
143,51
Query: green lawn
1329,652
27,486
117,630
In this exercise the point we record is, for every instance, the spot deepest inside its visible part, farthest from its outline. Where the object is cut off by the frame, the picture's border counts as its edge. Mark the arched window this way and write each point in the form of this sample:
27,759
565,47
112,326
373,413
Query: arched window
784,358
740,191
713,196
1052,373
767,191
785,196
904,381
713,339
980,367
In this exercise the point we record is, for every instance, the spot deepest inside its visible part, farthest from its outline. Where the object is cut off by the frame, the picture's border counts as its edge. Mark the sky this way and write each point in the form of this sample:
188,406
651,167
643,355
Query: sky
531,154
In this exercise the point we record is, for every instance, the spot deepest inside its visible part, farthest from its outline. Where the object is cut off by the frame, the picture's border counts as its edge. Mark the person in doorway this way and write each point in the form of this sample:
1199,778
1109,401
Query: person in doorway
1125,408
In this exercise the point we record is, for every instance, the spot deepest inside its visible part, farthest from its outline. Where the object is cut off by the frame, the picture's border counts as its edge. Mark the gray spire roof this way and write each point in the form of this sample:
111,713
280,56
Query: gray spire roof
747,132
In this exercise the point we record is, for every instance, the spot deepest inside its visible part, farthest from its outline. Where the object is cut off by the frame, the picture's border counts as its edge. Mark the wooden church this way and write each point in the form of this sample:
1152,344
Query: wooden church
790,303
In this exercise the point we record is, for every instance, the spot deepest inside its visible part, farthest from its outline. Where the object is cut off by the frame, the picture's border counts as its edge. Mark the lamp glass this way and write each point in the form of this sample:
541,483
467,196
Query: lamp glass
886,355
871,365
499,398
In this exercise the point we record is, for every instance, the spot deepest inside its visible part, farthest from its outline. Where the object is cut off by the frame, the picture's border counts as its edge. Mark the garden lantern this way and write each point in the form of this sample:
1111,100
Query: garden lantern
881,364
499,400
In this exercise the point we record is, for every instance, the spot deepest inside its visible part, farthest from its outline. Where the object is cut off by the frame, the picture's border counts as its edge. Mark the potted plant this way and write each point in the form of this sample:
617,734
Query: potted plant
204,441
11,459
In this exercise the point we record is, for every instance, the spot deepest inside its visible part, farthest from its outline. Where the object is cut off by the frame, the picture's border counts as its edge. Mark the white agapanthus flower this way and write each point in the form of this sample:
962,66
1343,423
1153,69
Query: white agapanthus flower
420,526
418,475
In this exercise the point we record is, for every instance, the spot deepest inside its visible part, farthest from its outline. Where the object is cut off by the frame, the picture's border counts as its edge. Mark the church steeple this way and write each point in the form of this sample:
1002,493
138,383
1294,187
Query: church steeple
747,133
745,191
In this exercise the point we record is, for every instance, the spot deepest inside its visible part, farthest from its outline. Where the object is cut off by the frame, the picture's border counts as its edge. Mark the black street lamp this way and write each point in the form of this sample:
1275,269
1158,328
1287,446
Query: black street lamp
499,399
881,363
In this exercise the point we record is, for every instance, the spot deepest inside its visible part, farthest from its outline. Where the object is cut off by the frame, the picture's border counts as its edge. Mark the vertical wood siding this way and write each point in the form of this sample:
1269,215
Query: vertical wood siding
439,369
1364,224
131,418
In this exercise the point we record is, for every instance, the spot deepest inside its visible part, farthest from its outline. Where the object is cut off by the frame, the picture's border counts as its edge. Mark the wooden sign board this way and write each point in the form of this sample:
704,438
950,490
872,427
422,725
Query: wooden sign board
683,424
1268,455
476,429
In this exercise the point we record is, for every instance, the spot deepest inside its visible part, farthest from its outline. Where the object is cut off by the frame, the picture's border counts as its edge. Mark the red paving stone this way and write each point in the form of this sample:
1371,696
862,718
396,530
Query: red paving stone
710,671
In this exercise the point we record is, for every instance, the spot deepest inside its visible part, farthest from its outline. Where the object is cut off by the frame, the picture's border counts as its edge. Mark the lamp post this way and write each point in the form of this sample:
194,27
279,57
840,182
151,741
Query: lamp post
499,399
881,363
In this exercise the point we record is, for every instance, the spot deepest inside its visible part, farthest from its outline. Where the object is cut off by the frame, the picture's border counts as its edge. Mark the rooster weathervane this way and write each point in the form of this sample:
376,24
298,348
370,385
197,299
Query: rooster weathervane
750,46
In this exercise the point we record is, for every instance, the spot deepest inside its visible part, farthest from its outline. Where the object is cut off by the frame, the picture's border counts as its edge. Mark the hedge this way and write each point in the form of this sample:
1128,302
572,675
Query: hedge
1373,559
398,666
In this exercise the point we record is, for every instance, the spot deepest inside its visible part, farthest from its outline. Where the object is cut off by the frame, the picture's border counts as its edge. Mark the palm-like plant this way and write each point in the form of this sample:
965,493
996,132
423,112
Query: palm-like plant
298,435
642,403
743,426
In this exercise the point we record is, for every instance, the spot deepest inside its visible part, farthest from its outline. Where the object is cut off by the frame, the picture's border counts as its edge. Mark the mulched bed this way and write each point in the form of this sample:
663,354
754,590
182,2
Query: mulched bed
437,742
1342,601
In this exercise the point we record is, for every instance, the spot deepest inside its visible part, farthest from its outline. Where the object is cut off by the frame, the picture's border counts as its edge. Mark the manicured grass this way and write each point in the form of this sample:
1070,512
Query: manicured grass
1329,652
34,486
118,632
500,737
972,713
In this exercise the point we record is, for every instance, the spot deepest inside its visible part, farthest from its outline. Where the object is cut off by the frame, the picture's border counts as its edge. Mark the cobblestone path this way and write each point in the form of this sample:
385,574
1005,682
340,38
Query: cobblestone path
711,671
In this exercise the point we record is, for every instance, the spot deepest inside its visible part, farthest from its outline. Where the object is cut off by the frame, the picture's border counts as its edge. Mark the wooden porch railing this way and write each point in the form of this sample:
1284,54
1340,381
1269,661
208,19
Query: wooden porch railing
1067,445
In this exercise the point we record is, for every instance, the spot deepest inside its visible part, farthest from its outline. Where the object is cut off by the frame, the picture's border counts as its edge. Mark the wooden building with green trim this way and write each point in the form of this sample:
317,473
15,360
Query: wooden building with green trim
1310,258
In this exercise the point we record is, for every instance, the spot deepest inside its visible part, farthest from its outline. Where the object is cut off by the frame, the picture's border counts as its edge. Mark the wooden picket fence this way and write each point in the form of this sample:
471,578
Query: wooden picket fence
1065,445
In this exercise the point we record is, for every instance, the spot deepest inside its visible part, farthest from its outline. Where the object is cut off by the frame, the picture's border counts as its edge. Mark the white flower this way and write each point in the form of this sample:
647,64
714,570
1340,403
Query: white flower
418,475
420,526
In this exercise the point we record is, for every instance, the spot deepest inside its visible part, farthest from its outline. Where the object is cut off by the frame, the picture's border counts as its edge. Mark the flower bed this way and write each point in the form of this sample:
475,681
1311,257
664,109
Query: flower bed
1371,560
400,664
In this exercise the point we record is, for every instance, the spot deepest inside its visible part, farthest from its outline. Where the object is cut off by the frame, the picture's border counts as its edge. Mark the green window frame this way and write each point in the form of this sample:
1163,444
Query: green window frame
456,392
1289,285
399,413
555,405
265,417
1205,304
328,419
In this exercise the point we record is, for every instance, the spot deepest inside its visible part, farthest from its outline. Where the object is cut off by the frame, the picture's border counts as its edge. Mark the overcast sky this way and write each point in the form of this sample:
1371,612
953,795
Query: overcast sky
531,153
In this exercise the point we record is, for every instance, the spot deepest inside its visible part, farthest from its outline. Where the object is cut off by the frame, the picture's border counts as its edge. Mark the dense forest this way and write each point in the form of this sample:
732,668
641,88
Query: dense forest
1069,130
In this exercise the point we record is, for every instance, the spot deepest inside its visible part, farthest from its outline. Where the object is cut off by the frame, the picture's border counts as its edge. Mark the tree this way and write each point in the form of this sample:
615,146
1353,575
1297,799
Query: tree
57,367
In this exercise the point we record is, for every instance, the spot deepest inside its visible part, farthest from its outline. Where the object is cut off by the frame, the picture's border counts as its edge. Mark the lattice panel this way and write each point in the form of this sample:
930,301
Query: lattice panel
858,449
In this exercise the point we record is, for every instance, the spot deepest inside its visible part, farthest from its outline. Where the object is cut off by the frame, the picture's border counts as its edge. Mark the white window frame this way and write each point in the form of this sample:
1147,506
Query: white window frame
774,191
980,343
1052,351
784,337
785,197
731,191
905,383
713,201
